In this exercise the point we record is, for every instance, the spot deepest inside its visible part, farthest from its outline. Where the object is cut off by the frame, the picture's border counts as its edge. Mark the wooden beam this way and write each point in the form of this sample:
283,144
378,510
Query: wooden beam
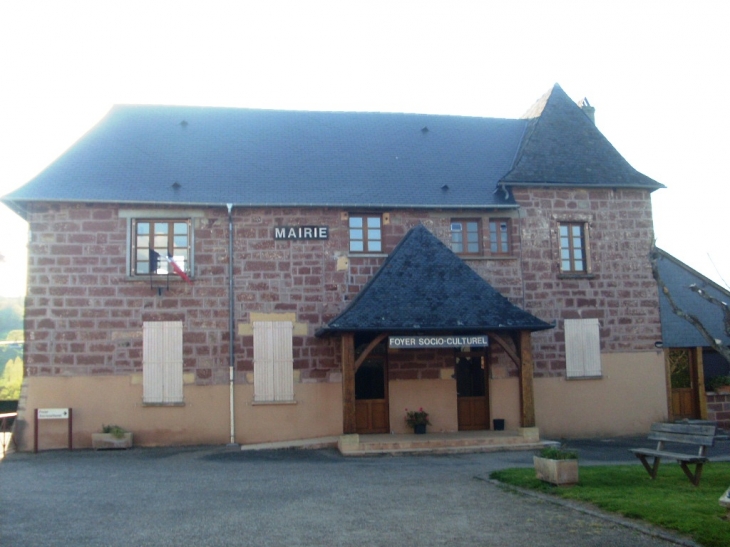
349,419
368,349
699,383
526,368
508,349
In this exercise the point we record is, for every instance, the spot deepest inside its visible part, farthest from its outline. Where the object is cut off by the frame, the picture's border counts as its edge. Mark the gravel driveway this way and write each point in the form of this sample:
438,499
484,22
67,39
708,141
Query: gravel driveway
214,496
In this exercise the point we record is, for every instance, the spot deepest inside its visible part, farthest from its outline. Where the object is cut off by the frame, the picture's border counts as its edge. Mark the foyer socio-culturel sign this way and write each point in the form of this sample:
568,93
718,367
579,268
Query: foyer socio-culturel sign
447,341
53,413
301,232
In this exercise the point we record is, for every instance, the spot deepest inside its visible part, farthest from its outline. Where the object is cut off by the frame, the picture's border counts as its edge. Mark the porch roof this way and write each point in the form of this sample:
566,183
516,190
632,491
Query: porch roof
424,287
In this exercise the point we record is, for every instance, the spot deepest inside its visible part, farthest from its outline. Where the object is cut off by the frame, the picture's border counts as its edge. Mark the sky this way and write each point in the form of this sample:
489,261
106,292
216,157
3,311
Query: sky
656,72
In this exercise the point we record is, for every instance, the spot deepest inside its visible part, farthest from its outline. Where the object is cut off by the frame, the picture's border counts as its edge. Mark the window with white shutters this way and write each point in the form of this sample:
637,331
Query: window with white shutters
273,361
162,362
582,348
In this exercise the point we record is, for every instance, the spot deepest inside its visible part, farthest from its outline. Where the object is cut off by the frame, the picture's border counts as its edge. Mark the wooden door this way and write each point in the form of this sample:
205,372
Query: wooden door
683,378
371,396
471,391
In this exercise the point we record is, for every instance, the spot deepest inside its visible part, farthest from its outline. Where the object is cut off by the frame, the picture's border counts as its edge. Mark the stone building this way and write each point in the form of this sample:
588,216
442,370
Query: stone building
191,271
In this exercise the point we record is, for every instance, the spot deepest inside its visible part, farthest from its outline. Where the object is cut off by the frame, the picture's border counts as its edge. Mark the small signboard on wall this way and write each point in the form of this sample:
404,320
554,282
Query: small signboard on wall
447,341
53,413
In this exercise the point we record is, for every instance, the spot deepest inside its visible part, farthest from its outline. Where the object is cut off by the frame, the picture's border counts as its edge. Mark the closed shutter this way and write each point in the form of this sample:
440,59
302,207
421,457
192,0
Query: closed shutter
582,348
273,362
162,368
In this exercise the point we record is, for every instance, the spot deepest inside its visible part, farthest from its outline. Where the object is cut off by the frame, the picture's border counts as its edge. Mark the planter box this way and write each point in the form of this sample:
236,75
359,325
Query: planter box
558,472
106,441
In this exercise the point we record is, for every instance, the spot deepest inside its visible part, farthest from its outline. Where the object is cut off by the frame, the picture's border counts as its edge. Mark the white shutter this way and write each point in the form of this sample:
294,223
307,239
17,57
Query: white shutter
273,362
162,360
582,348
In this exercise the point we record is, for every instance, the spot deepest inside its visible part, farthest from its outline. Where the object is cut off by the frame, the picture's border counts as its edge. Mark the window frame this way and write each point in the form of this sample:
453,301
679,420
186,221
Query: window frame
582,348
464,222
571,248
273,365
365,233
162,363
504,248
134,249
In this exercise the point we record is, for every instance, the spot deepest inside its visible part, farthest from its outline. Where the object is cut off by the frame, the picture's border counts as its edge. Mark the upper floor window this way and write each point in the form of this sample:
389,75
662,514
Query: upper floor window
499,240
366,234
573,258
466,237
166,237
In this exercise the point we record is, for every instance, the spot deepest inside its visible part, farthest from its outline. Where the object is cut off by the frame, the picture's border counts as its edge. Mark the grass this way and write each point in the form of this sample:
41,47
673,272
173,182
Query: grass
670,501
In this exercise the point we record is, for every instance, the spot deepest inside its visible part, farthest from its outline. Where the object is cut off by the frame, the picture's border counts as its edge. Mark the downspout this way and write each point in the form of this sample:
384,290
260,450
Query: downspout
231,325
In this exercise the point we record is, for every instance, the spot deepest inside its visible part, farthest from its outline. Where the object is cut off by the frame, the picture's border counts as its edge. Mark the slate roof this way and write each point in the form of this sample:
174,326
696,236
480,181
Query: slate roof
424,287
562,146
136,154
212,156
676,332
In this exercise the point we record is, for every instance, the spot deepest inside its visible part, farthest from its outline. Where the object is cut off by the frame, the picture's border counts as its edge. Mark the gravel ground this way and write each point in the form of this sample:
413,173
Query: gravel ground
215,496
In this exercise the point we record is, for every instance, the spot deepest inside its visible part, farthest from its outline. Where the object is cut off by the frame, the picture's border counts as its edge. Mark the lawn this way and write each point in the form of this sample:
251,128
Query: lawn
670,501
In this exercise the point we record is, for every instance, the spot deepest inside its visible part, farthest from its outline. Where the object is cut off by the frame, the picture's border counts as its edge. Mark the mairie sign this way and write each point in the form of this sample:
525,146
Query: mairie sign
301,232
445,341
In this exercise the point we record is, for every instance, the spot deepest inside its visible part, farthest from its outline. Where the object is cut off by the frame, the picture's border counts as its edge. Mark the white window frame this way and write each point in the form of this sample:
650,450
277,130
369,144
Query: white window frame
273,361
162,362
582,348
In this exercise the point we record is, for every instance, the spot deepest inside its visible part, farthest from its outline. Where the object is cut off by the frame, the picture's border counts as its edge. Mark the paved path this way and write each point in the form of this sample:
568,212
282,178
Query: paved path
213,496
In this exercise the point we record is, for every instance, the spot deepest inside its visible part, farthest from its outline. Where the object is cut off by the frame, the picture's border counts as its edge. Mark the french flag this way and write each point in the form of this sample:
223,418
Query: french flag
177,269
155,260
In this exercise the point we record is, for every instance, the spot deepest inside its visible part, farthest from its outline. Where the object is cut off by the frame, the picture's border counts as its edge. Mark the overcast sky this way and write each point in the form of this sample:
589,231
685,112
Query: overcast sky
656,72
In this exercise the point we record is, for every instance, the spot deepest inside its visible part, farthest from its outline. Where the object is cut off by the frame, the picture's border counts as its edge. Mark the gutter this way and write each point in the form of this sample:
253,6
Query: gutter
231,328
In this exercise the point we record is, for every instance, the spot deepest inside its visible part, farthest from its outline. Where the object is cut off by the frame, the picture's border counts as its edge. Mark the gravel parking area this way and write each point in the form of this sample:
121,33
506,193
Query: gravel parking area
215,496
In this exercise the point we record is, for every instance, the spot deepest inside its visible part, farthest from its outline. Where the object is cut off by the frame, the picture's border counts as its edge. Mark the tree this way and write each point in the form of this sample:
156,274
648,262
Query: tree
693,320
11,379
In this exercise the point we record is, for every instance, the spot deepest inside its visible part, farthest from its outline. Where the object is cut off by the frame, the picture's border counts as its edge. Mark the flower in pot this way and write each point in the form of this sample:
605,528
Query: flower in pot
111,436
556,466
417,419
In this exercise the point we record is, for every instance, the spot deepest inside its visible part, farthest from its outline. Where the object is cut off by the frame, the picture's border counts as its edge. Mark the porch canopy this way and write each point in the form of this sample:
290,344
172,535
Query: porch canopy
424,288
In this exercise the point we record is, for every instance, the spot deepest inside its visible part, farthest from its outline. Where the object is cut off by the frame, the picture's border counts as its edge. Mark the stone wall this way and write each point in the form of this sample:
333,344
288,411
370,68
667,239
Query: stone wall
84,313
718,409
618,290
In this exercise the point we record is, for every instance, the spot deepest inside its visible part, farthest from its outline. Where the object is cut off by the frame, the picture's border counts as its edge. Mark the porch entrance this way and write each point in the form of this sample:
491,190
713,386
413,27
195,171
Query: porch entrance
371,394
684,381
472,393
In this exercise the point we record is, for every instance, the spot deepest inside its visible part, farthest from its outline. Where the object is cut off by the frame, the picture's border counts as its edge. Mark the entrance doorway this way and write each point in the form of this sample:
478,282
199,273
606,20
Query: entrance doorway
684,380
371,393
472,393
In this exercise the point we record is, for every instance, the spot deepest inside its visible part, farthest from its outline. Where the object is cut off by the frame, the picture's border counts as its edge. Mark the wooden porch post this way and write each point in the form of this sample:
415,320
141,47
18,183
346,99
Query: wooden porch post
349,424
527,367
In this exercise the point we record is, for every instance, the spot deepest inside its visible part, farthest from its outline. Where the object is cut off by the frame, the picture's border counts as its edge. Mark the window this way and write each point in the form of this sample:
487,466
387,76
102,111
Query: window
466,237
162,362
573,257
499,230
273,361
582,348
168,237
366,234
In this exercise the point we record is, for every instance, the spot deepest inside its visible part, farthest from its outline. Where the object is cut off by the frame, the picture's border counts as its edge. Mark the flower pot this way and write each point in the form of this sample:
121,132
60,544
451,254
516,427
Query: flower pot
107,441
558,472
419,429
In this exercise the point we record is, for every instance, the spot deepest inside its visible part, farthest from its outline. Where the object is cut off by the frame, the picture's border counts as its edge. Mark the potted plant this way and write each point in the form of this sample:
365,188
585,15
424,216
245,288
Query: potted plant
111,436
719,384
557,466
418,420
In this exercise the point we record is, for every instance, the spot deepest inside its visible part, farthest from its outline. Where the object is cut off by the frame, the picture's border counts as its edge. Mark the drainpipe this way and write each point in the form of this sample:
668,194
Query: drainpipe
231,324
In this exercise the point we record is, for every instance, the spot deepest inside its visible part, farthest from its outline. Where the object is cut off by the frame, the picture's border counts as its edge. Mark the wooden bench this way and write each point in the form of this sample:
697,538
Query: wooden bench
701,436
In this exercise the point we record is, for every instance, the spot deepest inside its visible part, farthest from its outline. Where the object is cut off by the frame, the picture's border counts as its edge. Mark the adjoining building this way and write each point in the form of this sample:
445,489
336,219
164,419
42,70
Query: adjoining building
214,275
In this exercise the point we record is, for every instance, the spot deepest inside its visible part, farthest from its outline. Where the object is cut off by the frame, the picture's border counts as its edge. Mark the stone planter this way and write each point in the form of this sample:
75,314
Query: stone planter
558,472
107,441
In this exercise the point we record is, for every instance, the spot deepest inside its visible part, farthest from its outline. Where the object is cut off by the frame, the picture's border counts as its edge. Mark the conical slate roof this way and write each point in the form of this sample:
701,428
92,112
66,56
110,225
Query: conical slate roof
563,146
424,287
